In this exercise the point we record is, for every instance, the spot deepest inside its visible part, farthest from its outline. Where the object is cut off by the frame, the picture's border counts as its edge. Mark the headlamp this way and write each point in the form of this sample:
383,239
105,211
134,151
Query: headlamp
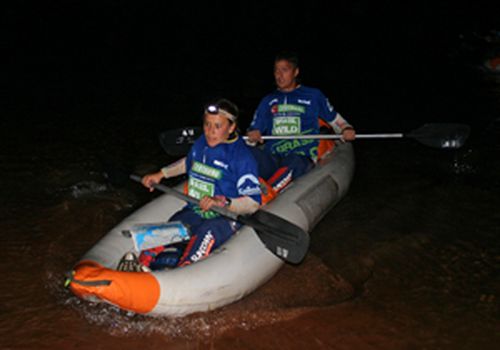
215,109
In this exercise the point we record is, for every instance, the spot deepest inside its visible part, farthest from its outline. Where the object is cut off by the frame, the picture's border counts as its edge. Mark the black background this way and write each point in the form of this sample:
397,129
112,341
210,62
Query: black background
159,62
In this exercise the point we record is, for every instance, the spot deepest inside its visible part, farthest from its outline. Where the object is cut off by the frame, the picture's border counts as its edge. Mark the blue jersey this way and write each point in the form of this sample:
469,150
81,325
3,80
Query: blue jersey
228,169
293,113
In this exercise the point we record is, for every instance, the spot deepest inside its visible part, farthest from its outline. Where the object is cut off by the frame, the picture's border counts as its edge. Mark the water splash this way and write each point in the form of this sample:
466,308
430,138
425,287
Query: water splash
85,188
462,163
282,299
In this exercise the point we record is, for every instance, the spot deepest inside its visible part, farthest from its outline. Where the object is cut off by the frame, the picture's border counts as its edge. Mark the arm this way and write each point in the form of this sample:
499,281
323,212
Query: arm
258,126
175,169
254,136
341,126
248,187
243,205
240,205
335,120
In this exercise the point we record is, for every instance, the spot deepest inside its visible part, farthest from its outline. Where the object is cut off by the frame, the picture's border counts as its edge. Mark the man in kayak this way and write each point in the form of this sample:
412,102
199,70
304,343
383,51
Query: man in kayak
221,172
292,109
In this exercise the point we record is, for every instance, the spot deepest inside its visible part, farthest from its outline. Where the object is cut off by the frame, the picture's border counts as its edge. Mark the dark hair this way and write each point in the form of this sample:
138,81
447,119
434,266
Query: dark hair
289,56
228,106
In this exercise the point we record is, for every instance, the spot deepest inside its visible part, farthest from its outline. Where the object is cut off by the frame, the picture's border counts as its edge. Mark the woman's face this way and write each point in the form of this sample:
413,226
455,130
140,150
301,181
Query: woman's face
217,128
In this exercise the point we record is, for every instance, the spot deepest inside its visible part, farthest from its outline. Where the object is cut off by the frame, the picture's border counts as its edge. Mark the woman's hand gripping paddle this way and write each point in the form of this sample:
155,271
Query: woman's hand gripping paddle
284,239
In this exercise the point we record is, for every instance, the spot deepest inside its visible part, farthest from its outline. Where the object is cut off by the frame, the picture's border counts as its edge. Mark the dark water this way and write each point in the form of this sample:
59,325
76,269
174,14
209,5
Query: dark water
408,260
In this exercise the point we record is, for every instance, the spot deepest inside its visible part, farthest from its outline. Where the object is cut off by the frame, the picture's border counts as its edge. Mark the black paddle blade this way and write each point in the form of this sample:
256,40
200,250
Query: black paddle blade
441,135
177,142
284,239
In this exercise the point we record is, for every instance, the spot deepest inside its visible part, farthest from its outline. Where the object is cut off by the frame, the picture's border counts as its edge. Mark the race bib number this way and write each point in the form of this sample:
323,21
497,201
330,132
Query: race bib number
286,126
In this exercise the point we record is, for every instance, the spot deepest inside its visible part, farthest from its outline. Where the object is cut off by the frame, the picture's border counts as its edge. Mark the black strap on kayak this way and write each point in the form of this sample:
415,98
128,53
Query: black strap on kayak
97,283
93,283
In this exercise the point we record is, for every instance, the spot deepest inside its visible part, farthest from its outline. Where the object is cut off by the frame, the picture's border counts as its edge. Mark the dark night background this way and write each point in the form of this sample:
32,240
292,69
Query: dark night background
412,250
121,59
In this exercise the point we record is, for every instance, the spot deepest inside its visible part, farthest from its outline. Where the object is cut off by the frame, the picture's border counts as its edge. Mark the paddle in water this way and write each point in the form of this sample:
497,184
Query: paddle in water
177,142
284,239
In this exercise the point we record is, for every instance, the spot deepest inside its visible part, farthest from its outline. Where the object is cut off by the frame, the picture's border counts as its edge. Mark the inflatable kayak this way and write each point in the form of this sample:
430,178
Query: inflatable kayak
229,273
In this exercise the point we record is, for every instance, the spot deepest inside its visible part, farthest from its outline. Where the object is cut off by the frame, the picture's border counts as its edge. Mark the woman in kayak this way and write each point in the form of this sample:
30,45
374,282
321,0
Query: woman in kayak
221,172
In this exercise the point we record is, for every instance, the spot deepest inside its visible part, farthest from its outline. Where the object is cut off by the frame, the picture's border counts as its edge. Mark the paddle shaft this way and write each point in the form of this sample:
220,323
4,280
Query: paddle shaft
330,137
220,210
437,135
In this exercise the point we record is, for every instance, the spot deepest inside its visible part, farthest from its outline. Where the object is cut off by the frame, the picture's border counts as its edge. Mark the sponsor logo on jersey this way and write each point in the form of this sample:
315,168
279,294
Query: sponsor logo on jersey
198,188
206,170
290,145
286,126
248,185
221,164
285,108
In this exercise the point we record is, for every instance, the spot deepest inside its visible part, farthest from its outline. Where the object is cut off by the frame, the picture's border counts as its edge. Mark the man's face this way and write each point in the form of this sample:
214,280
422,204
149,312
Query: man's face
285,74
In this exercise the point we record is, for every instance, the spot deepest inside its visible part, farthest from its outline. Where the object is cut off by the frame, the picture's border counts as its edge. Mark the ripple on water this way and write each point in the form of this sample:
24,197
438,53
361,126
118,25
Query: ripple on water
293,291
